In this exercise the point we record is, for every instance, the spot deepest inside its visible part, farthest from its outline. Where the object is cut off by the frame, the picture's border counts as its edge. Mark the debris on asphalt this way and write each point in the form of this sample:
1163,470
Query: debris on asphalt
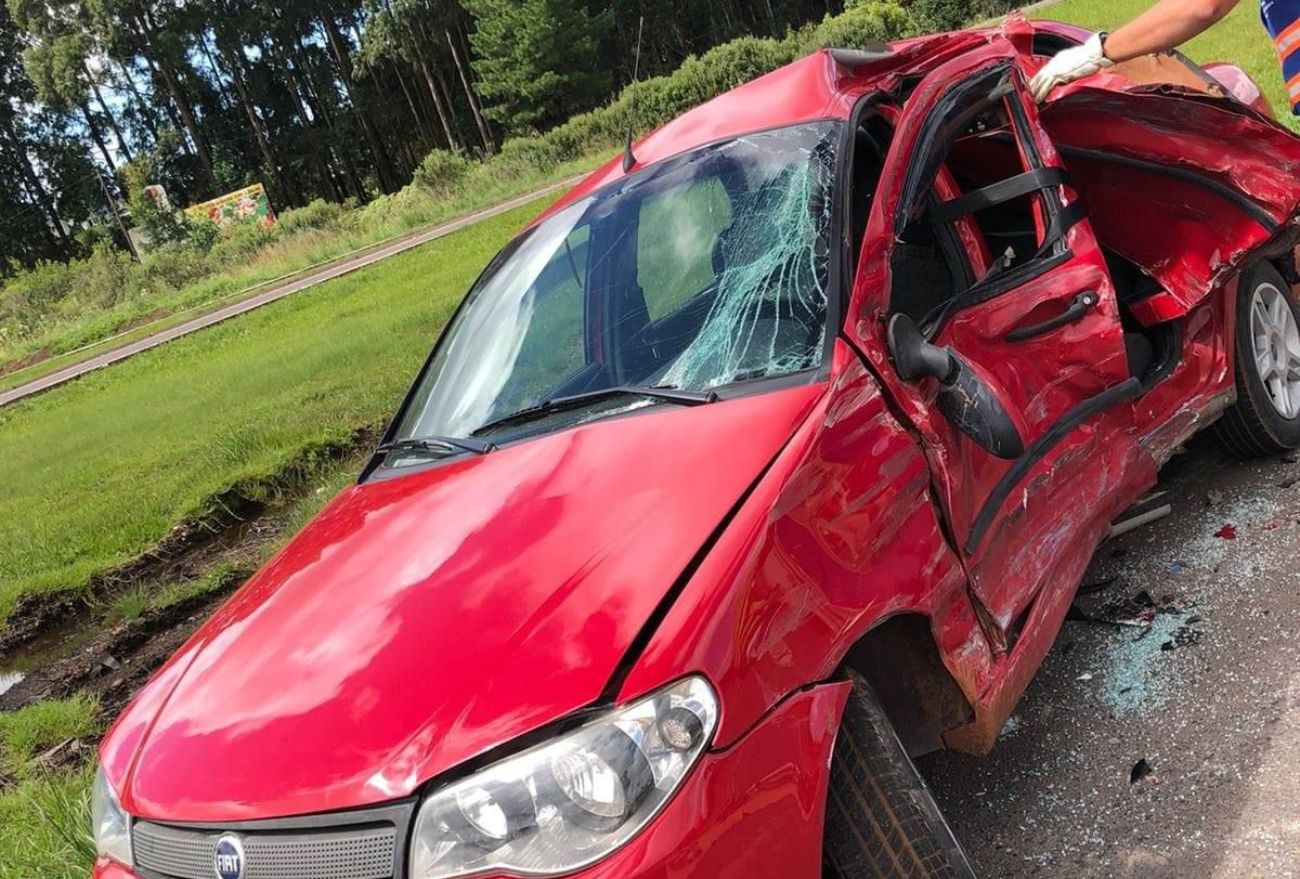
1086,676
1213,497
1289,482
1098,585
1184,636
1138,521
1227,532
1136,610
1206,717
1141,769
1131,680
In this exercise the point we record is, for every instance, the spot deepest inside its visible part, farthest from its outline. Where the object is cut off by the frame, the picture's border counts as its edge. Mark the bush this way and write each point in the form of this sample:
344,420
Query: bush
863,22
242,245
104,278
525,154
950,15
161,225
203,234
37,290
319,214
173,268
442,171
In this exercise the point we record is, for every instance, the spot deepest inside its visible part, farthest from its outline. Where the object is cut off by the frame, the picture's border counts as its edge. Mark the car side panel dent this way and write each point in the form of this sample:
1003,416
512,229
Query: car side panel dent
1189,187
841,534
1200,386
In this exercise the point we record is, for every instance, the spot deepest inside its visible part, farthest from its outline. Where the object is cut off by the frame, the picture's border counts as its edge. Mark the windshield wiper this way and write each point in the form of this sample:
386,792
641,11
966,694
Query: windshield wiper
560,404
448,445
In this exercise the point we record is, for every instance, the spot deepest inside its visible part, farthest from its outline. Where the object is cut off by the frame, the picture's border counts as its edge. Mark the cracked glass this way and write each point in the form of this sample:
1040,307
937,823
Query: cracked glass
697,273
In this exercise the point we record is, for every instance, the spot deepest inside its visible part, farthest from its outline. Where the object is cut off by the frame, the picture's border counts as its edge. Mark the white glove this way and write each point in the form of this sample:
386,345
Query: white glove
1069,65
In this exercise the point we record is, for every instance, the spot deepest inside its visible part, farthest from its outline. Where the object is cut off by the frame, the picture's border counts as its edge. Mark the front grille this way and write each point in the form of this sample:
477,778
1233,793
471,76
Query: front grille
365,852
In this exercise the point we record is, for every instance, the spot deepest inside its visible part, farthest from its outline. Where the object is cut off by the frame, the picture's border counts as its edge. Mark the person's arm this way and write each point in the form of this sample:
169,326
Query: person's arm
1163,27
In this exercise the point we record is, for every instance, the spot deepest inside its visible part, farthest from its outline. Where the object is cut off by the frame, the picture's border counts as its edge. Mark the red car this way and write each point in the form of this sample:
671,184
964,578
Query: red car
768,458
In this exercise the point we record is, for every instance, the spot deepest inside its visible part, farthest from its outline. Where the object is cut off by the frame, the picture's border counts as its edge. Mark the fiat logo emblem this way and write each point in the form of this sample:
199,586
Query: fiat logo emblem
228,858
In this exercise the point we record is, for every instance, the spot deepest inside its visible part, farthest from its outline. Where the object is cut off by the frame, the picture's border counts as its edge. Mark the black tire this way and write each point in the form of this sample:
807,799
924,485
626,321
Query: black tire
881,821
1253,427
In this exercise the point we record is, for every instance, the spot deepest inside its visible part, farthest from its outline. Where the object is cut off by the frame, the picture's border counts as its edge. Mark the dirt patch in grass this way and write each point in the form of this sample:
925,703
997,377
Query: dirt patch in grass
109,644
115,663
236,525
141,321
119,656
23,362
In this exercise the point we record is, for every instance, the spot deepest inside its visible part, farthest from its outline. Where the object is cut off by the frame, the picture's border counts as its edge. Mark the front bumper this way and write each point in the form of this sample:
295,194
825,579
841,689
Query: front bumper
753,811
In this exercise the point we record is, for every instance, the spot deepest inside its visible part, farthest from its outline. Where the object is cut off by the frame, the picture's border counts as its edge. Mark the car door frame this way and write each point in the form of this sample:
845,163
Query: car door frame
870,306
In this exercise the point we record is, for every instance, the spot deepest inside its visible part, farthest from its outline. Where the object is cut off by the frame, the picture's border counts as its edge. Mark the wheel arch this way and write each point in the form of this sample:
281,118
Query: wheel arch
901,661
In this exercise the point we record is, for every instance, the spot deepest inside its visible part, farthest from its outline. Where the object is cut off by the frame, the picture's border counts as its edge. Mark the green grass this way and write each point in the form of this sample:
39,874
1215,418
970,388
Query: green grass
130,605
1240,38
45,827
101,303
26,734
98,471
44,815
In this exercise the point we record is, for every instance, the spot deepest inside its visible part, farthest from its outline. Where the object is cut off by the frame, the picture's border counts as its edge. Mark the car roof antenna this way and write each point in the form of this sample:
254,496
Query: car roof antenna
629,158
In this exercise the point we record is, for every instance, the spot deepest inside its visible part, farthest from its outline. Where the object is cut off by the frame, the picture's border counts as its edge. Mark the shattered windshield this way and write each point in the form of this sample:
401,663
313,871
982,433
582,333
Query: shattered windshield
702,271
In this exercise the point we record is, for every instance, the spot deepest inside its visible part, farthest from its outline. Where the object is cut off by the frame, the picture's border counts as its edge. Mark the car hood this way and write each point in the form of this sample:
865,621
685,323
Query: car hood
420,621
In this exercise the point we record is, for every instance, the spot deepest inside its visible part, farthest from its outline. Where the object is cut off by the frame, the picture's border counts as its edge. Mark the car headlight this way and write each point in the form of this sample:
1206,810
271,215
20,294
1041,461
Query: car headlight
112,826
561,806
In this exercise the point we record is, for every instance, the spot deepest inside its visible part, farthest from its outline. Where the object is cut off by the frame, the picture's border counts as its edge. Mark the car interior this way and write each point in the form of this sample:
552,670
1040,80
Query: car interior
931,270
706,276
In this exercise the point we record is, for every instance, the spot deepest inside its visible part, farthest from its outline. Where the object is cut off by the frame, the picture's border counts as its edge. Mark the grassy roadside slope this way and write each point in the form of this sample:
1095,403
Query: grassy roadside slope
1240,39
76,329
99,471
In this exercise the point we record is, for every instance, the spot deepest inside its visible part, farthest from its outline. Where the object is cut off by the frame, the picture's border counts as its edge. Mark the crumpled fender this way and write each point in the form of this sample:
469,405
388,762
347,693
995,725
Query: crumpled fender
1188,186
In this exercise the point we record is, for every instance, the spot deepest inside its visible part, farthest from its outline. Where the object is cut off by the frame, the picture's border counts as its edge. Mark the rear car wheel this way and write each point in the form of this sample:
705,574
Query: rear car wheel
881,821
1266,417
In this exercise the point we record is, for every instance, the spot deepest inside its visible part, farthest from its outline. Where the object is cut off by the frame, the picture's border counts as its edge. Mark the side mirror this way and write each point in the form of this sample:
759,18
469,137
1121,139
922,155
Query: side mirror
964,398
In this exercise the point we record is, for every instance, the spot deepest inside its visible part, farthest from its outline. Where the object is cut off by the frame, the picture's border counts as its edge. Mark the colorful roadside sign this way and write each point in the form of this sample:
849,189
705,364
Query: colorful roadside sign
245,207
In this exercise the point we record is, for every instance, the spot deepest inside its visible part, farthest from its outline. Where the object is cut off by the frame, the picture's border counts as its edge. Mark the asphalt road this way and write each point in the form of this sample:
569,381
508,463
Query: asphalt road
243,306
1208,696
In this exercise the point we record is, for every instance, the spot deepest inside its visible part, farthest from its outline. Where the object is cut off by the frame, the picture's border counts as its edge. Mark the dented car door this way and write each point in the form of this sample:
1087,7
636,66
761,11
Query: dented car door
979,239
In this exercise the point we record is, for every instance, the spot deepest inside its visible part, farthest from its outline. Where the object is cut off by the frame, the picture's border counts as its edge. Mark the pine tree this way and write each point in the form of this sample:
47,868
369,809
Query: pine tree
537,60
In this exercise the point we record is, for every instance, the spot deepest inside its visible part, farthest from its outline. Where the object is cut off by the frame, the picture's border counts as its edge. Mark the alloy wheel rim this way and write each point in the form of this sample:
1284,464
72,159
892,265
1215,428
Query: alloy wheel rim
1275,340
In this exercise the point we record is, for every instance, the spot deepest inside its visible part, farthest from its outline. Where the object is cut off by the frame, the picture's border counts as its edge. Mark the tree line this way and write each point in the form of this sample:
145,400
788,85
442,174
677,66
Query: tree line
313,99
